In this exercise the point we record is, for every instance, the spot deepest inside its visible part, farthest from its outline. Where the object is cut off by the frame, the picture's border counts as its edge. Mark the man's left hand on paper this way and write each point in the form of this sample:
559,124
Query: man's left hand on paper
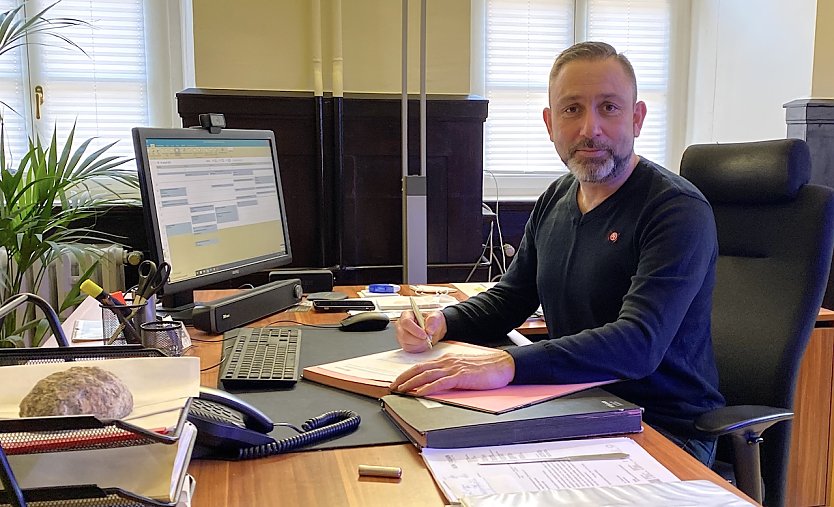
457,371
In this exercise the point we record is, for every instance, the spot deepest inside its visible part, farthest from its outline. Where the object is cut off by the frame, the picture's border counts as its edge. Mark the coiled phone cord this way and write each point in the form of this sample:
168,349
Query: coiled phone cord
324,427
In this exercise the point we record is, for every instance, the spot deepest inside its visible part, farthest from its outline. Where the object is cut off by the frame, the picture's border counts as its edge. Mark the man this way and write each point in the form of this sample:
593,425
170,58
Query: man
621,255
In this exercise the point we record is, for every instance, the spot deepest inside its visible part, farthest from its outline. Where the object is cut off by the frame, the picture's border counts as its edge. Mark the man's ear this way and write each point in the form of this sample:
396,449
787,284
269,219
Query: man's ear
547,121
639,116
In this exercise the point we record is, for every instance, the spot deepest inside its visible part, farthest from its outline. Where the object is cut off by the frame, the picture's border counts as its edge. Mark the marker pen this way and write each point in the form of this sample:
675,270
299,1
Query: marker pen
121,312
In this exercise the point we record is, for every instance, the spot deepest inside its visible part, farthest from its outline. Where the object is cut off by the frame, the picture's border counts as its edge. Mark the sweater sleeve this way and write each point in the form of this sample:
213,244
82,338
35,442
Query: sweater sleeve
678,248
494,313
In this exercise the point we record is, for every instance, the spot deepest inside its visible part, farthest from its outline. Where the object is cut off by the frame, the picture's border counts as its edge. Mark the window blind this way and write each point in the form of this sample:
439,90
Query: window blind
103,91
522,40
641,30
12,93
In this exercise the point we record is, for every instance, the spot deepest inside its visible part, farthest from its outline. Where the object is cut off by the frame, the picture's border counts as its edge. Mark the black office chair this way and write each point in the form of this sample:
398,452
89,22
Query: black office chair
775,242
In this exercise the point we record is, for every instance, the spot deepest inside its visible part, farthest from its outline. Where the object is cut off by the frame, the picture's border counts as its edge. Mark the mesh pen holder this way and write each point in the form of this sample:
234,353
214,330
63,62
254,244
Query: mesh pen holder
165,335
121,324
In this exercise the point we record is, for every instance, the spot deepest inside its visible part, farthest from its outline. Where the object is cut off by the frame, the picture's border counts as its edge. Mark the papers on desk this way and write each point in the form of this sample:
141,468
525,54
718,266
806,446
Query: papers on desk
472,288
372,374
702,493
400,303
460,472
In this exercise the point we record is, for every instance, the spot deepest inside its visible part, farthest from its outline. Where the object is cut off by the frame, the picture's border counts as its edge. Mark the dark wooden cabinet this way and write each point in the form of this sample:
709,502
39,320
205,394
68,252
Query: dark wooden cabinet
341,172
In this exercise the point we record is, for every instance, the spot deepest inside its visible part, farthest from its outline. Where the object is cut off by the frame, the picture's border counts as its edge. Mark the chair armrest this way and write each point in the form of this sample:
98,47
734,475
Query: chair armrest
738,419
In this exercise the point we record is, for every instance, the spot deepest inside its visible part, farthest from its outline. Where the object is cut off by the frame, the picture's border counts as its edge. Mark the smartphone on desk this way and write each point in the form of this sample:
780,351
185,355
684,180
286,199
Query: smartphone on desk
344,305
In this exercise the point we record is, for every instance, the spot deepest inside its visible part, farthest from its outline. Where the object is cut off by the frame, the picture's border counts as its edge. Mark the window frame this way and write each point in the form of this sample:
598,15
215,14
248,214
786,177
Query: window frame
169,68
527,187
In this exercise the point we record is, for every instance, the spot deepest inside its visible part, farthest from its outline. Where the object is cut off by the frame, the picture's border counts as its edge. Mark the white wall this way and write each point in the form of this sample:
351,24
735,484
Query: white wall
747,59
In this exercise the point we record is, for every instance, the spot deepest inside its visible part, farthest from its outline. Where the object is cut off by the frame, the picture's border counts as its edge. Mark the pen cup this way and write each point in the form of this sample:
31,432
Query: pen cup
123,327
165,335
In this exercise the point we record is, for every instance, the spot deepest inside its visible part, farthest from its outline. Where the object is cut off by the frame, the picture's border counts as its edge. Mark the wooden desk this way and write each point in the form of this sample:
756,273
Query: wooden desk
329,478
811,464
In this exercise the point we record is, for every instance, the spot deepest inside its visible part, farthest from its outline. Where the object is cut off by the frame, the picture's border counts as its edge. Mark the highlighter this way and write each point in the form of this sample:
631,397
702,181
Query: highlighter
122,313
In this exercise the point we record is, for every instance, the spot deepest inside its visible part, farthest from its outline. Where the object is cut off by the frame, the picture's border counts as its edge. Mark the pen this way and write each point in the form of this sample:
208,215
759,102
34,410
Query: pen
420,320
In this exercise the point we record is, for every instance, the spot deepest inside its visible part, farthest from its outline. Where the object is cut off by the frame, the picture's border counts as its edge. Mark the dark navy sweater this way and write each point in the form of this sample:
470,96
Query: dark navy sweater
626,291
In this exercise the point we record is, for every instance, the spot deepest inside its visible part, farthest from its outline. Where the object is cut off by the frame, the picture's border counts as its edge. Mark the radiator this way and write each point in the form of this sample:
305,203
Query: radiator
62,275
109,273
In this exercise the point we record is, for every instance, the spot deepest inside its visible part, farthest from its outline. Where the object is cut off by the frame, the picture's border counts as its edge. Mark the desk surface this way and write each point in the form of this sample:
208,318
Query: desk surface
328,478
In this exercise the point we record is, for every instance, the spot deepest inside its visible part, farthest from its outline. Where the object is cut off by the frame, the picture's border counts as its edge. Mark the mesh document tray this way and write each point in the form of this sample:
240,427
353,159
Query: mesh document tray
83,496
71,433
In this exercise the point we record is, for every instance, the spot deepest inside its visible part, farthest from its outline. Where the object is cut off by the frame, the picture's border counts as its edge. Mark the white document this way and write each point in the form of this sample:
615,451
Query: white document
472,288
386,366
87,330
700,493
89,309
460,472
518,338
425,303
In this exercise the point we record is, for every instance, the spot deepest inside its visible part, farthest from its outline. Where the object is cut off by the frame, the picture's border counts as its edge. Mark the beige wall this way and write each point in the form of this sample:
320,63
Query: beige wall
822,84
744,65
267,45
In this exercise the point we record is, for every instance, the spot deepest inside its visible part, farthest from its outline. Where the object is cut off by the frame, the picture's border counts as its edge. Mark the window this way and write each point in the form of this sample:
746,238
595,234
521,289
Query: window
521,40
105,90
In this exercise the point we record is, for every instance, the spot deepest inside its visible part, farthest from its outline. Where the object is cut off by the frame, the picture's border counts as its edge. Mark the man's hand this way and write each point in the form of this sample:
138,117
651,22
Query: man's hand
457,371
413,338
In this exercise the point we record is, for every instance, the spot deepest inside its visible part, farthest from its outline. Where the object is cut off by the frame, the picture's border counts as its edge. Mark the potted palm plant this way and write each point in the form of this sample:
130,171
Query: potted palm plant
45,195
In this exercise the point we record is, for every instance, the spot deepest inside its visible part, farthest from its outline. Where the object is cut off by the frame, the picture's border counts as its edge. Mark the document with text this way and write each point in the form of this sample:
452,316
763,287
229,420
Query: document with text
542,466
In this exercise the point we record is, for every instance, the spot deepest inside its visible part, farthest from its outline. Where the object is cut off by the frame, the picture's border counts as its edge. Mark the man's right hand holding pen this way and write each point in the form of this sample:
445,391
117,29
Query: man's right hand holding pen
415,338
449,371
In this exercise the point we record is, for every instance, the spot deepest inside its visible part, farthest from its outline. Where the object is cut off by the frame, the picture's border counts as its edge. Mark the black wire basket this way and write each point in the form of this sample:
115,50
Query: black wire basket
74,433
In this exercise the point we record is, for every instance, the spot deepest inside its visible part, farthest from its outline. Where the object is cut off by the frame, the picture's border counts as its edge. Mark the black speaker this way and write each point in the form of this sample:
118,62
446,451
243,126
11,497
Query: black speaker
312,280
227,313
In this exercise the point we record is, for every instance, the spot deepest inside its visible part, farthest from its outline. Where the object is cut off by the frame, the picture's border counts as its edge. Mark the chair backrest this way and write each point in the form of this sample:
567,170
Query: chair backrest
775,242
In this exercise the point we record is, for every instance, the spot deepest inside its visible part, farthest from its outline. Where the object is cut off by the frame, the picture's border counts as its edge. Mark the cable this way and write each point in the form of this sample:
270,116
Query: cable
324,427
319,326
478,261
497,219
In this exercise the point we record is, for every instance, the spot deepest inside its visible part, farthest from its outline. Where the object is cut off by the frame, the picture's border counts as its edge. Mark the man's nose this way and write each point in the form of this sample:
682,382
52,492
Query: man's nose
590,125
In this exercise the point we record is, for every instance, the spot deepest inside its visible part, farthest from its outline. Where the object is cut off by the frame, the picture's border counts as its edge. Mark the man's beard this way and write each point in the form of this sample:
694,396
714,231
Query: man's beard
596,170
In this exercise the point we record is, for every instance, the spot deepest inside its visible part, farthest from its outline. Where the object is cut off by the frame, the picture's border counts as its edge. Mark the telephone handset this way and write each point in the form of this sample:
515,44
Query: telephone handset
230,428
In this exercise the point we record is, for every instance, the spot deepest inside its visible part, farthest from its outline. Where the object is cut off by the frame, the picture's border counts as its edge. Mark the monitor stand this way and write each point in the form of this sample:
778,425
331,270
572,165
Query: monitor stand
177,306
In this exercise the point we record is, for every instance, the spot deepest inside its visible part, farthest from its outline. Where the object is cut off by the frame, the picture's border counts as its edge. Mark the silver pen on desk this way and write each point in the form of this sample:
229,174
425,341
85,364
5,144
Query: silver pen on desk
420,320
576,457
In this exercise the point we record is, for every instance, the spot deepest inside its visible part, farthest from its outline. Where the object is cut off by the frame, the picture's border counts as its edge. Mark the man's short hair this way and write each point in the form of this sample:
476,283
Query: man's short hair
591,50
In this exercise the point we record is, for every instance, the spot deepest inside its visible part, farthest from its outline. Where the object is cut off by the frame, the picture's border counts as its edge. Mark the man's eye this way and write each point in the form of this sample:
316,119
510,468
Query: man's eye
610,108
570,110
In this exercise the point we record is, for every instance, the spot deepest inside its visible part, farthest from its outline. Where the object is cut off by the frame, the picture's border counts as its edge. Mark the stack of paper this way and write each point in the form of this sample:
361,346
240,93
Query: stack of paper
477,471
699,493
371,375
161,388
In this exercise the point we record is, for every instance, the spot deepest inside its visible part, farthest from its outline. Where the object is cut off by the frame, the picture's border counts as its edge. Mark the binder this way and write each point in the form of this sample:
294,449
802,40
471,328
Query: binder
594,412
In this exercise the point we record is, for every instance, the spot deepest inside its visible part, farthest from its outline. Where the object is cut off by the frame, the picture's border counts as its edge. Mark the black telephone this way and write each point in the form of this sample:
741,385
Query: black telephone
229,428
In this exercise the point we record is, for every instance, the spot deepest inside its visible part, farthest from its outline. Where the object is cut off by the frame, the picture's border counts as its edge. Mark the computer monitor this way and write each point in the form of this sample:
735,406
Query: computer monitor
213,206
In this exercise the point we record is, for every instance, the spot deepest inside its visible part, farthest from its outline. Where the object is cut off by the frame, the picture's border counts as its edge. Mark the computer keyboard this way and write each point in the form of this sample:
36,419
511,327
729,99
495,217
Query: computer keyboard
260,357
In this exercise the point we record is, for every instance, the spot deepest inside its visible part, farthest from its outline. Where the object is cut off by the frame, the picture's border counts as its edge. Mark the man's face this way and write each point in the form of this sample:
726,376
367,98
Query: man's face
593,119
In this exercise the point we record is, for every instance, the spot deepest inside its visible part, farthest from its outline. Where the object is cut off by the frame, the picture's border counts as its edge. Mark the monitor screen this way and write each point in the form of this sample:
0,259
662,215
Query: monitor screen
213,204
